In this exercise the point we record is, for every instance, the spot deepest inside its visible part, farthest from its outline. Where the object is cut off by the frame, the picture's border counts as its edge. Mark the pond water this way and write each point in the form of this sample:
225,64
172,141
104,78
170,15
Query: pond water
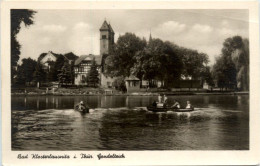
219,122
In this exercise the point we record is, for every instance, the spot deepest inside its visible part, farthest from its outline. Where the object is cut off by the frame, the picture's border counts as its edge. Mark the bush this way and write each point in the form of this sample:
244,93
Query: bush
119,84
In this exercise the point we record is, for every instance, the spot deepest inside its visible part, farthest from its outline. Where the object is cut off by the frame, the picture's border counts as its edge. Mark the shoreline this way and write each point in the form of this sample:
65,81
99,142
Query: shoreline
132,94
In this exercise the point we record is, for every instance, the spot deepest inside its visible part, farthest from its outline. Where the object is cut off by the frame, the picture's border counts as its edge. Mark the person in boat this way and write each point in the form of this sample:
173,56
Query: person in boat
176,104
160,98
188,106
154,103
82,106
165,100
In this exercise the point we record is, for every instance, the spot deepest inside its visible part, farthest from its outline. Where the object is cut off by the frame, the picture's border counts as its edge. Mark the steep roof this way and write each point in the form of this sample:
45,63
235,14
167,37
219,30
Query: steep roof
50,52
88,57
41,56
104,26
111,29
132,78
70,56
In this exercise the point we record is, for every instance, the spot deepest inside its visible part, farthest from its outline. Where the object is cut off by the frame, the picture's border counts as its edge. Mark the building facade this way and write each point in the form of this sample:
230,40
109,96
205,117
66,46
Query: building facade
83,63
82,67
132,84
47,59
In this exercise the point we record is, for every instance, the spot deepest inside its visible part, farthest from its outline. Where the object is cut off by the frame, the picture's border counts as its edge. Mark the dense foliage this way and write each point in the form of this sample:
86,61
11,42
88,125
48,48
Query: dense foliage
26,71
93,75
121,60
31,71
119,84
18,16
155,60
64,75
39,75
231,69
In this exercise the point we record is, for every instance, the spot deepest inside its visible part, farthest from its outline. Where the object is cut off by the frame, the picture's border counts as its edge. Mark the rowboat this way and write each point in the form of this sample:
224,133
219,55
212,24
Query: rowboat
165,109
82,109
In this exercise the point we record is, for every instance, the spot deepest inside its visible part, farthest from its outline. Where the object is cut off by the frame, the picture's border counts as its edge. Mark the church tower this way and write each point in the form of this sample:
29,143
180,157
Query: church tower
106,38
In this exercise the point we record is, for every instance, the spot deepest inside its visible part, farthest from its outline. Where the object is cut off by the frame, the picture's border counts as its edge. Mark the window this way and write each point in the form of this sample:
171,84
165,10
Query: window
104,36
81,69
82,77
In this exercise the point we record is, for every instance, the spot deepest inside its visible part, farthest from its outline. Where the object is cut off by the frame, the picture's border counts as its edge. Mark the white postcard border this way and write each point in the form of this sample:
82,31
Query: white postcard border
175,157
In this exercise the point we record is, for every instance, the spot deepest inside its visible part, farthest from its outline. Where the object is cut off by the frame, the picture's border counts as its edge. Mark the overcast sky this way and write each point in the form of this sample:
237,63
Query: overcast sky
77,31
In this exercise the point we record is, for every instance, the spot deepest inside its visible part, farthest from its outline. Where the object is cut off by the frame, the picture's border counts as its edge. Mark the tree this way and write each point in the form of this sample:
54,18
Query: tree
26,71
224,72
157,61
174,64
193,62
56,67
119,84
20,79
122,59
39,74
64,76
233,65
18,16
240,57
207,76
93,75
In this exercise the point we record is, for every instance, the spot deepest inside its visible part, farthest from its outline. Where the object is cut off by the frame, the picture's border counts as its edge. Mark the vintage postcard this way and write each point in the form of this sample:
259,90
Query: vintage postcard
130,83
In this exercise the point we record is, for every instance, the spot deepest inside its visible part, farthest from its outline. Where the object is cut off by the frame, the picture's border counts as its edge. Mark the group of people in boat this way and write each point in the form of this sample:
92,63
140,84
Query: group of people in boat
163,102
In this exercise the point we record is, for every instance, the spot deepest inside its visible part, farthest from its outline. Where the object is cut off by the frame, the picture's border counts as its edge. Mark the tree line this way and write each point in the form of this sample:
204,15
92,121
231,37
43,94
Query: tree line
62,71
155,60
167,62
31,71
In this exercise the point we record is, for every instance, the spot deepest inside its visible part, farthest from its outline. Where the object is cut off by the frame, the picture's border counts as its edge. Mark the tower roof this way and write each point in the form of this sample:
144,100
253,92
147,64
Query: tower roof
105,26
111,29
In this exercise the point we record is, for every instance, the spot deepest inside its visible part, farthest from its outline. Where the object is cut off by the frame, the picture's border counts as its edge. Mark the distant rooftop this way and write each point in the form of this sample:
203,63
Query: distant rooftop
89,58
132,78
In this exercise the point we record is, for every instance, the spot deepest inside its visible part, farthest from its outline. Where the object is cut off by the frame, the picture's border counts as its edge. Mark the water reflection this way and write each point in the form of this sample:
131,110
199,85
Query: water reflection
123,123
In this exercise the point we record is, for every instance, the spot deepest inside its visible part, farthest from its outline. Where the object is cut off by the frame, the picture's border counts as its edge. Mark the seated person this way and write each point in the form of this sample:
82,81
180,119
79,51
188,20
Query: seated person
176,104
189,105
165,99
154,104
160,98
81,105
